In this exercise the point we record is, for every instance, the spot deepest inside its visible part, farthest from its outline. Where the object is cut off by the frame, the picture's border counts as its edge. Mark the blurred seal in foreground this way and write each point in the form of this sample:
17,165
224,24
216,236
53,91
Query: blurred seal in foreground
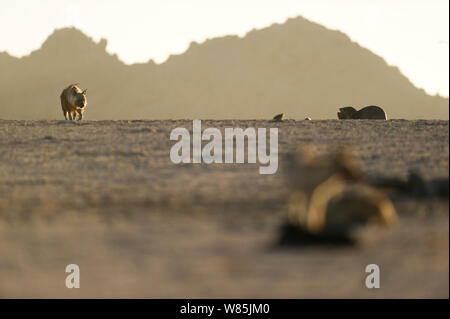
329,199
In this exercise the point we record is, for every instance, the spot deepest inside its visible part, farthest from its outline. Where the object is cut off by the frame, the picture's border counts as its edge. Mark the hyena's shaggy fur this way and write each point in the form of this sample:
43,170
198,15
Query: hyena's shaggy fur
73,102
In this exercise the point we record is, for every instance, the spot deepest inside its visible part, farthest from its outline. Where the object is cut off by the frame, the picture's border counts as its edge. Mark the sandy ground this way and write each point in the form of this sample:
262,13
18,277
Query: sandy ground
105,195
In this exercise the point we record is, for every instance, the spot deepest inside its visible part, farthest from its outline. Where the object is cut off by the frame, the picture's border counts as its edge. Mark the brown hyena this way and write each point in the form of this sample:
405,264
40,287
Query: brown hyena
73,101
371,112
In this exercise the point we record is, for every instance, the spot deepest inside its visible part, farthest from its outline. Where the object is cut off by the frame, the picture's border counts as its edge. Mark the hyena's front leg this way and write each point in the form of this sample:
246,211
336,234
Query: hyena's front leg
80,114
70,116
66,115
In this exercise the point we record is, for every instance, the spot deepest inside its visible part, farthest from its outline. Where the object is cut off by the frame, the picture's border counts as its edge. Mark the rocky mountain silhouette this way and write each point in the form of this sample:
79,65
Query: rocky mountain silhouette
299,67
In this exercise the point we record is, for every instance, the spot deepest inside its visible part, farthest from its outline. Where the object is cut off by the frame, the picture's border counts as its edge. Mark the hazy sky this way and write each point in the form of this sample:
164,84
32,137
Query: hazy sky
411,34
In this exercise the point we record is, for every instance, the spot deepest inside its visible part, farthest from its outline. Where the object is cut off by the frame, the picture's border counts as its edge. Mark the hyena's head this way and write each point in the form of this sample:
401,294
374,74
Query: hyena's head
346,112
79,97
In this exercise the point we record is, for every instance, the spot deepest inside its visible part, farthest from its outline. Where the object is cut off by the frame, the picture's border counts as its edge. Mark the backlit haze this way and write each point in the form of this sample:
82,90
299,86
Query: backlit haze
412,35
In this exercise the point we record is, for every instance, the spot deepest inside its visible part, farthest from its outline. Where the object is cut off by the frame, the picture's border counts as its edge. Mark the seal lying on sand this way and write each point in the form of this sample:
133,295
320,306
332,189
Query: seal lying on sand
371,112
278,117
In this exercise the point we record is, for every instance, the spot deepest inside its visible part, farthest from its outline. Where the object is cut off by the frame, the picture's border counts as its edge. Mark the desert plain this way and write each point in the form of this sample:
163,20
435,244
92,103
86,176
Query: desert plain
105,195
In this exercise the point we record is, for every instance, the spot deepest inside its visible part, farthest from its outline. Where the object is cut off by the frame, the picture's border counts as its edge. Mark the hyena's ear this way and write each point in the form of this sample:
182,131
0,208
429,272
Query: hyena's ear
84,92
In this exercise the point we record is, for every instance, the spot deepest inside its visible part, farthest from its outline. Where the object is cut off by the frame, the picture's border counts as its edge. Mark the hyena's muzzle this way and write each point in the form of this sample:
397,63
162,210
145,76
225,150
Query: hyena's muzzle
81,100
80,105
